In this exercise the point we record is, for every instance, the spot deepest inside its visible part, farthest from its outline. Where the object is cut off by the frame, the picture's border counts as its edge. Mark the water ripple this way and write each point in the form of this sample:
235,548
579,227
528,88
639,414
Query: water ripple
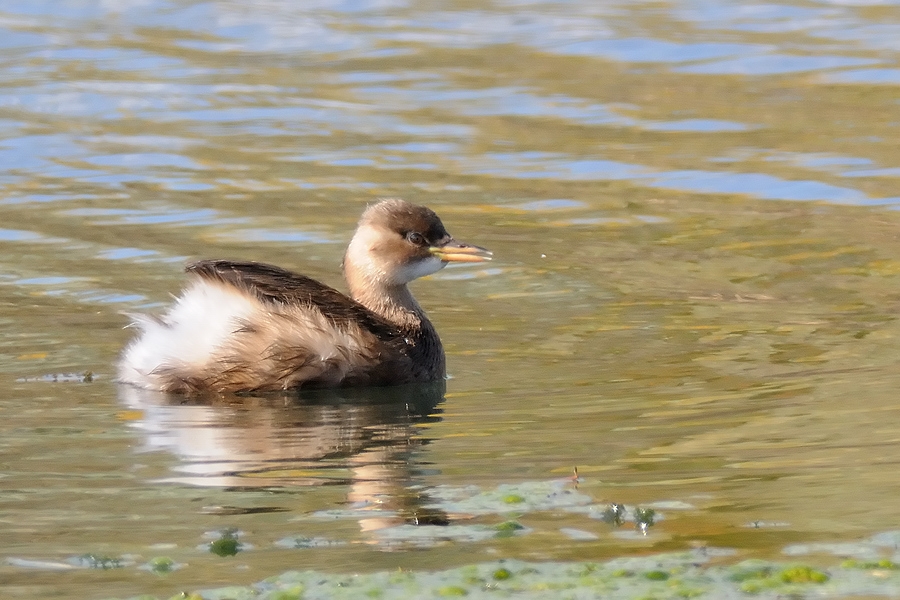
638,50
773,64
759,185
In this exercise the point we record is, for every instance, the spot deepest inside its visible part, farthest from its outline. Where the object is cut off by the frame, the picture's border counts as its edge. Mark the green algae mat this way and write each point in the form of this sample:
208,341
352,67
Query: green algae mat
660,577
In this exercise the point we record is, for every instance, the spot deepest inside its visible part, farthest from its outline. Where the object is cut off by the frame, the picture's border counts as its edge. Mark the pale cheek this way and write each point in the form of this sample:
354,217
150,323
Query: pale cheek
419,269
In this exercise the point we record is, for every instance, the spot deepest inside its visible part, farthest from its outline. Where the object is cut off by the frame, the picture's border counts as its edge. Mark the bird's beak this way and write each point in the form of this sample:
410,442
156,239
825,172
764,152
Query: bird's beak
453,251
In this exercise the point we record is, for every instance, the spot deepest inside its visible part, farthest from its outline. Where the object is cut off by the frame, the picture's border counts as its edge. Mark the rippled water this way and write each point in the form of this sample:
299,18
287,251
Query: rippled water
692,206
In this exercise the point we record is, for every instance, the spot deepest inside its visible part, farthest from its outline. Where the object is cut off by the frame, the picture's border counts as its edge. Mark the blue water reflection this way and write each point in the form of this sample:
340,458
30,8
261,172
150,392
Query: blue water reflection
773,64
759,185
868,76
155,81
638,50
642,170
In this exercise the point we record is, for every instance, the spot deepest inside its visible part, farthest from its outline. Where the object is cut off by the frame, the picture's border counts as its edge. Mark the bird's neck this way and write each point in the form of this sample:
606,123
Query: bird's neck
394,303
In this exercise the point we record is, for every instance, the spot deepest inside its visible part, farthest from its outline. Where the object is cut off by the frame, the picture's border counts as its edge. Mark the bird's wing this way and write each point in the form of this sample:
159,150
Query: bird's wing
274,285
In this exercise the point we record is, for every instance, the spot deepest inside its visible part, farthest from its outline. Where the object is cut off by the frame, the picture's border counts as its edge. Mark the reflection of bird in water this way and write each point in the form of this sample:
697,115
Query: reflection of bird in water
366,439
241,326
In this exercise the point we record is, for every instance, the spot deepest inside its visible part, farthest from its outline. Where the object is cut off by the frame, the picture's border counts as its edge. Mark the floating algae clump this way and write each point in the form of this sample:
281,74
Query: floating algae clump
509,526
676,576
161,564
452,590
756,577
227,544
803,575
870,564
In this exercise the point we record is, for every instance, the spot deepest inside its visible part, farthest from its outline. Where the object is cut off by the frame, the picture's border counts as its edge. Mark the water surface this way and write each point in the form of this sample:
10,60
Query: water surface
692,207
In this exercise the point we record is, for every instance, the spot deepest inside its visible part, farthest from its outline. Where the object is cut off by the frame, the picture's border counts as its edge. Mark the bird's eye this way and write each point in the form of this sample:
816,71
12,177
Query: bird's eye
416,238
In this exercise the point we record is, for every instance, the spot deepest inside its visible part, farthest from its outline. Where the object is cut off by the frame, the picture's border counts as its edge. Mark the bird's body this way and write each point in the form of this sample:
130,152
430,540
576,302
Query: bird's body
245,326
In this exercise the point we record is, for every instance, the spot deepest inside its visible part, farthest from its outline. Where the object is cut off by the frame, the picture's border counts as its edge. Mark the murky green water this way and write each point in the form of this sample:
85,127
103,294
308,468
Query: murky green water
692,207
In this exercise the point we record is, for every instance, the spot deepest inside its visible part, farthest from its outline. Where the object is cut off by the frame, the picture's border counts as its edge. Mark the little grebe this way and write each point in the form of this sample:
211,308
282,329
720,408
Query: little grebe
246,326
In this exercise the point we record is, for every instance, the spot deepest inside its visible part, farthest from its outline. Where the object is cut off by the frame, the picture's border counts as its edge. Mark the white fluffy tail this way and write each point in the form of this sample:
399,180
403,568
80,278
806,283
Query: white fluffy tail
187,338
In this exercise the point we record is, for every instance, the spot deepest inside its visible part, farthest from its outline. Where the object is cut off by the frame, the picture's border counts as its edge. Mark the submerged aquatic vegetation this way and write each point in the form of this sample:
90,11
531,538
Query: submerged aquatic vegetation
227,544
644,518
435,521
426,536
161,564
754,577
94,561
299,542
618,514
614,514
663,577
526,496
802,574
870,564
82,377
509,526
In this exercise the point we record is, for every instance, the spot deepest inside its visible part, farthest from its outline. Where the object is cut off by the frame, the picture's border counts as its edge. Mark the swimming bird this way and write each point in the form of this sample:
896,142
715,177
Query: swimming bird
253,327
